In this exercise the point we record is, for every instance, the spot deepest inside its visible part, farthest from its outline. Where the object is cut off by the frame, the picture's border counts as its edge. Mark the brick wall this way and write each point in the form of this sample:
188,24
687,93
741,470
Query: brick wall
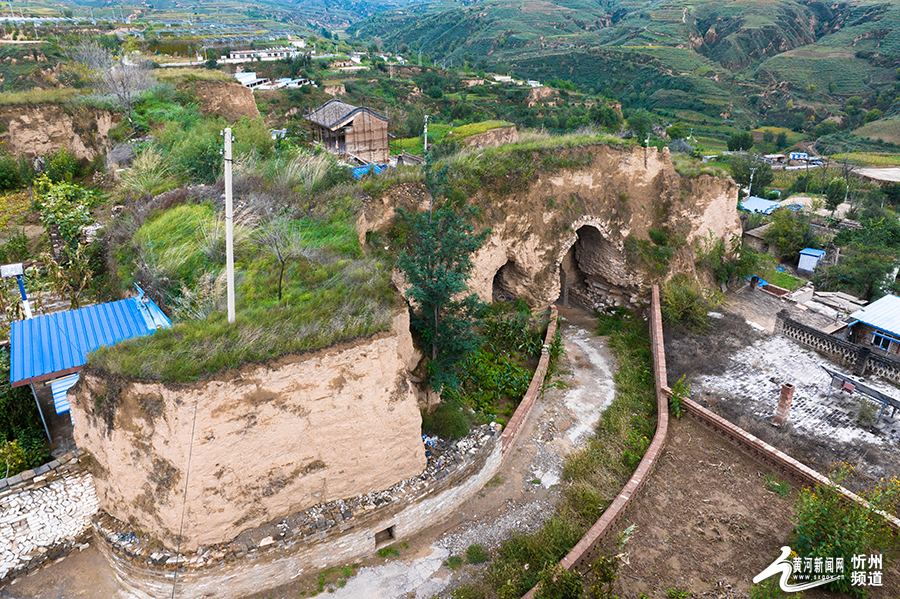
767,454
44,514
536,388
585,550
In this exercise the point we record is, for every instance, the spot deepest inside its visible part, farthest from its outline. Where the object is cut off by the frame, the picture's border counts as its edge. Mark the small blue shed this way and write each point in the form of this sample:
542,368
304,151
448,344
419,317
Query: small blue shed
809,259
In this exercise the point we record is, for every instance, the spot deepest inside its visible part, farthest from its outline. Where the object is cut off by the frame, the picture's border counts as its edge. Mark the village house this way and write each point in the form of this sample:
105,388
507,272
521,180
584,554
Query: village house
357,132
877,325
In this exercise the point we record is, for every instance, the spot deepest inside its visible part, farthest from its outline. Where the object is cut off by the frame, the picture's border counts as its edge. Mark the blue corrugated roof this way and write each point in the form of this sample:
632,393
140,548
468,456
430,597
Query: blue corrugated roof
812,252
883,314
53,345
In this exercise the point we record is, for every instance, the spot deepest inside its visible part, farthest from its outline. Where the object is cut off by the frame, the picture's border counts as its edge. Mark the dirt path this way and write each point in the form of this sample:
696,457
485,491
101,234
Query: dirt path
520,498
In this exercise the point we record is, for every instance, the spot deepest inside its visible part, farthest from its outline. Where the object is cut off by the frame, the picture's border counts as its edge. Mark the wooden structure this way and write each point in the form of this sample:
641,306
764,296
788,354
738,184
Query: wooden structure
357,132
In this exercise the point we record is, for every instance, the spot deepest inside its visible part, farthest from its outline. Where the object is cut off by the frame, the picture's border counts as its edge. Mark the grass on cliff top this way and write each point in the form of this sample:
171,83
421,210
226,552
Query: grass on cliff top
339,295
687,166
592,476
511,167
177,75
37,96
477,128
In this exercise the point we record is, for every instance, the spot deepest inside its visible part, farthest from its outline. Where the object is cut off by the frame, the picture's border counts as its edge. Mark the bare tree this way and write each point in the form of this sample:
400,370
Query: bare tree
281,235
121,77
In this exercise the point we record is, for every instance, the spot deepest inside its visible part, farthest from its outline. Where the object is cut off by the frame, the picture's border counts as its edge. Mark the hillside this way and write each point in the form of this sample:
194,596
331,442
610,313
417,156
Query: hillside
736,59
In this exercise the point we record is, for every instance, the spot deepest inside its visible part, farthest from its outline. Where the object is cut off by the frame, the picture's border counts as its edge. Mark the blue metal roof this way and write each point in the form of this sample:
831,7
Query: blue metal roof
812,252
755,204
882,314
54,345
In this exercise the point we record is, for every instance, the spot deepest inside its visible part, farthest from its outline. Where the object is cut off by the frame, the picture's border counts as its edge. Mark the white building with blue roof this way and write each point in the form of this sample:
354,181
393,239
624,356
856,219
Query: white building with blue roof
878,325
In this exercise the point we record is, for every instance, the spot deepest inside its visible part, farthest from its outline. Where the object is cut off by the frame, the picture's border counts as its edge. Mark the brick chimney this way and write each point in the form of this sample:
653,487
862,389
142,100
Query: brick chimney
784,404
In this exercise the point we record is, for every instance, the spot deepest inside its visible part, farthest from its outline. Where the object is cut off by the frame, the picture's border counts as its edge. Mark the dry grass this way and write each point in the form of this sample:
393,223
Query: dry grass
37,96
185,75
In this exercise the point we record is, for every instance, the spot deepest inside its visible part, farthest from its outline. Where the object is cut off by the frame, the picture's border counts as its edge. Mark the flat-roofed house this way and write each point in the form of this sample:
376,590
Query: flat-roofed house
345,129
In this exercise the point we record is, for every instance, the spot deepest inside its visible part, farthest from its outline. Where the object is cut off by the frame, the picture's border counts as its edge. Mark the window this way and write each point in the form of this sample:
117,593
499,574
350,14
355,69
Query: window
883,341
384,536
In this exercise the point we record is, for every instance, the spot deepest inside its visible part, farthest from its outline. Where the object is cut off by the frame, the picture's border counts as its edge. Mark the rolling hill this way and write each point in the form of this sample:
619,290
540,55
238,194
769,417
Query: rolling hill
732,59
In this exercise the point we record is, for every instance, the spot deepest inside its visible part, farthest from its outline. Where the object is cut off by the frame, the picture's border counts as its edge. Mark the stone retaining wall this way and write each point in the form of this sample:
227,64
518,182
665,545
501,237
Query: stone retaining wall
844,351
44,514
329,535
585,550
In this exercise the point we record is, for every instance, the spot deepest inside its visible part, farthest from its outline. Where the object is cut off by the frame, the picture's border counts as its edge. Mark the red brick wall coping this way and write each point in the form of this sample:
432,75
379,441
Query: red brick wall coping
515,424
583,552
770,456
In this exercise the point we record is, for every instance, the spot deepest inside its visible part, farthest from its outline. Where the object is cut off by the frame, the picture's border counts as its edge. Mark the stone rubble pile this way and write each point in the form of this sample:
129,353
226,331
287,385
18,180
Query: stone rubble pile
599,296
44,514
443,457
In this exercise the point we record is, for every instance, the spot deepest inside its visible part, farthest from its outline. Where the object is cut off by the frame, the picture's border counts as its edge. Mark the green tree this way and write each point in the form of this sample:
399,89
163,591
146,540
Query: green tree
789,233
640,123
677,131
740,141
437,264
835,192
741,170
781,140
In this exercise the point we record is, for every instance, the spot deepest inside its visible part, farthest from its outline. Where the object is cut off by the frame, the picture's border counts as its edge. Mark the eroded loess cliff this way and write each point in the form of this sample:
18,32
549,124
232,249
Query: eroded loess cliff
269,440
583,232
38,129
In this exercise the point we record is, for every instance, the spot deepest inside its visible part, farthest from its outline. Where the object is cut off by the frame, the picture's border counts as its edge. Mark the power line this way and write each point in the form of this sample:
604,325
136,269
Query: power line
184,501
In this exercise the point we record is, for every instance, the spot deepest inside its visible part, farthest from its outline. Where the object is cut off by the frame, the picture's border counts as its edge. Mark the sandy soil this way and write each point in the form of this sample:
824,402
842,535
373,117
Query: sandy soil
706,522
804,200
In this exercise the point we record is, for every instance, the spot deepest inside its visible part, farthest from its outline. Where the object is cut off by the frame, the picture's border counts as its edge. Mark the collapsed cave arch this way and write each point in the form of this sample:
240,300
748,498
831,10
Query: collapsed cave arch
503,289
593,272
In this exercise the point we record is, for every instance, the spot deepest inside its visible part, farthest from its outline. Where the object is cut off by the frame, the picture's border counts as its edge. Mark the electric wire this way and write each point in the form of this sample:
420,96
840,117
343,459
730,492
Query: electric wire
187,475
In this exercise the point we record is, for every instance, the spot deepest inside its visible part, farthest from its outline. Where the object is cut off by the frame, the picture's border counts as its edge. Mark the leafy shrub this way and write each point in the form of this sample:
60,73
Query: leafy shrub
65,206
790,232
688,304
450,420
680,392
60,165
15,249
559,583
735,262
10,173
829,526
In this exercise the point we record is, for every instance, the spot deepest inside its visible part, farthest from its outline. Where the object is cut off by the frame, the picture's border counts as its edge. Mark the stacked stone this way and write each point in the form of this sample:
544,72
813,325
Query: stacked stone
599,296
44,513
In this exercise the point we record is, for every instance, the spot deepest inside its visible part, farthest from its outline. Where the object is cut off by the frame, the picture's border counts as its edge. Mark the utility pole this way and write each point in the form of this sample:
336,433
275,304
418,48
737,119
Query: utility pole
229,226
426,133
752,172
